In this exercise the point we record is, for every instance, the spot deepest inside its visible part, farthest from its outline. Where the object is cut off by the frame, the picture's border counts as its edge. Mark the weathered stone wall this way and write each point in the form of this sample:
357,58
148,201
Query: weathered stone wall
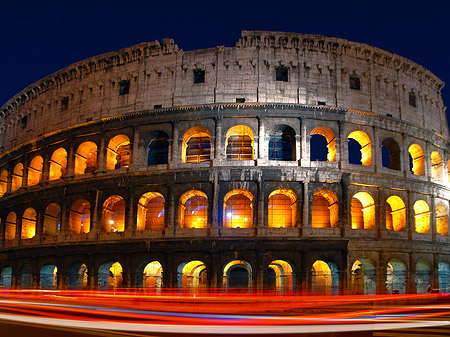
161,75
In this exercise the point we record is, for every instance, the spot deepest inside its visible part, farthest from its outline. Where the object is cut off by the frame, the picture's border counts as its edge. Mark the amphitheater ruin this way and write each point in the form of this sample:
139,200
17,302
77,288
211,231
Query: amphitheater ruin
289,162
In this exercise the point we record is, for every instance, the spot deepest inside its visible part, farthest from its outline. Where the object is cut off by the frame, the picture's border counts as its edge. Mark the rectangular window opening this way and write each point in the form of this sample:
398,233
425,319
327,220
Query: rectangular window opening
64,103
199,76
240,100
412,99
355,83
157,106
124,87
282,74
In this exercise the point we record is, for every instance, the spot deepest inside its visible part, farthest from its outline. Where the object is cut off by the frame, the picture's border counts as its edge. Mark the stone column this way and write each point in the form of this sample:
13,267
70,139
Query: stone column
262,146
306,155
170,221
340,142
25,172
380,276
46,167
376,149
215,208
96,217
219,151
130,222
433,218
101,165
345,225
176,151
135,159
261,227
411,276
70,161
306,225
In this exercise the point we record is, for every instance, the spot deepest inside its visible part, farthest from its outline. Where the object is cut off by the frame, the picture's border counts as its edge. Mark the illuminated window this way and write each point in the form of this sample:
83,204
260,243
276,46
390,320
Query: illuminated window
152,275
363,211
158,149
113,214
110,276
28,224
280,276
239,143
363,277
238,209
118,153
417,162
282,144
442,220
196,145
150,212
17,177
192,275
325,209
58,164
390,154
395,214
282,208
3,182
10,226
52,220
35,171
328,149
421,217
86,158
324,280
436,166
80,217
193,210
365,148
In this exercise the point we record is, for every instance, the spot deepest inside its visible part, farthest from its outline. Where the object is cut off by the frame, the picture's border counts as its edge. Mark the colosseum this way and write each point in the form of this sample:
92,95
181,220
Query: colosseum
289,162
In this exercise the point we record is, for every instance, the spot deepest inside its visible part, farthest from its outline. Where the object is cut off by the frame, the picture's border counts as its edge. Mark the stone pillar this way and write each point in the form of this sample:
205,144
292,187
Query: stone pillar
176,151
101,165
345,225
340,142
25,172
306,155
262,146
376,149
9,180
298,148
46,167
70,161
411,276
261,274
96,213
380,276
61,276
380,214
215,208
135,159
170,221
130,222
306,225
214,271
219,151
261,227
433,228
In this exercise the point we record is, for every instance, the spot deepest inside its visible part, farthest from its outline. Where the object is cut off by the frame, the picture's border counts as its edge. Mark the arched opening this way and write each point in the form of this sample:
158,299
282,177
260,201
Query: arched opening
28,224
237,274
319,148
118,153
52,220
390,154
363,277
239,143
113,214
158,149
442,220
17,177
3,182
363,211
444,277
436,166
152,276
150,211
35,171
325,209
417,160
364,157
86,158
395,214
10,226
77,276
6,278
282,211
325,278
80,217
58,164
110,275
238,209
421,217
280,276
282,143
192,275
395,277
48,277
196,145
25,275
422,278
193,209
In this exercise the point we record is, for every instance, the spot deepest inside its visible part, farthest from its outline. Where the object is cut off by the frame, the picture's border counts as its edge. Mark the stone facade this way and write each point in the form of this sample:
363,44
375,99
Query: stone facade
201,138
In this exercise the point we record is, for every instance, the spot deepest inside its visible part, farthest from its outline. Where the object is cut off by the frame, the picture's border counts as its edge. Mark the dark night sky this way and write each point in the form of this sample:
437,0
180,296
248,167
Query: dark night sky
39,37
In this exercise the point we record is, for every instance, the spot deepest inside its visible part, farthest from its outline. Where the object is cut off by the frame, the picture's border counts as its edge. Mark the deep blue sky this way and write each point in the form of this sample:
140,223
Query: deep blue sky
40,37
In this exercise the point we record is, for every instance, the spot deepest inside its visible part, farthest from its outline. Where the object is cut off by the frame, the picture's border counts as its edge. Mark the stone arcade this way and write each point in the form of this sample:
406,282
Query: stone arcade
288,162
